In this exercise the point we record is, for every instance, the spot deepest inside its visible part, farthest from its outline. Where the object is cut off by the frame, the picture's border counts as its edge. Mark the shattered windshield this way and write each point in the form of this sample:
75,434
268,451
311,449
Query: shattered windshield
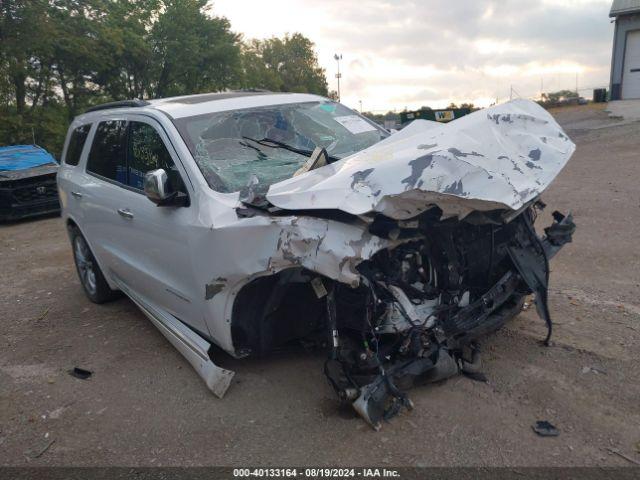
227,148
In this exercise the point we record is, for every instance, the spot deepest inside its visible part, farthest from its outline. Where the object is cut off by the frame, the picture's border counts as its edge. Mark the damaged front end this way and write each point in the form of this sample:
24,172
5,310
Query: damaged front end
421,307
407,310
447,252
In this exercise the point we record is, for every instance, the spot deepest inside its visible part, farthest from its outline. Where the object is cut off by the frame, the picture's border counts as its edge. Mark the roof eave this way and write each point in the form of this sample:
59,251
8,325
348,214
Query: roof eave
618,13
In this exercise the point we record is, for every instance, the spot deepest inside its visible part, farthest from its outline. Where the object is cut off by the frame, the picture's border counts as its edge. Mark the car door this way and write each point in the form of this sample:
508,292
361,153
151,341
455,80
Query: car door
154,241
70,176
99,188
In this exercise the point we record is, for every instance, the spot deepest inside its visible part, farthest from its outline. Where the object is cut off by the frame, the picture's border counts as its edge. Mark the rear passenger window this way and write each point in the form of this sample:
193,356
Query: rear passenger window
108,152
76,143
148,152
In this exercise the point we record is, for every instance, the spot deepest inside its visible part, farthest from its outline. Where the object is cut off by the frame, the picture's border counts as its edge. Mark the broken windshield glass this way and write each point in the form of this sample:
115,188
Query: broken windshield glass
219,141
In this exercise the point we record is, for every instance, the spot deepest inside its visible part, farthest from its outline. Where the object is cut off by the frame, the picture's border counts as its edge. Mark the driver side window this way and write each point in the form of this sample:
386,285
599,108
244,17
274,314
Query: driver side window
148,152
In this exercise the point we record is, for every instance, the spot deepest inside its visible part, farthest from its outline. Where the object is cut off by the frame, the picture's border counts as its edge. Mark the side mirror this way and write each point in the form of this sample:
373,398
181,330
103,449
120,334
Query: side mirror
156,186
158,189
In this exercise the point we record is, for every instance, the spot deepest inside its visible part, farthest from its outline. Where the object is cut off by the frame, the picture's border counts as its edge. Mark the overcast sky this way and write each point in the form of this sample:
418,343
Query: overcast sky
409,53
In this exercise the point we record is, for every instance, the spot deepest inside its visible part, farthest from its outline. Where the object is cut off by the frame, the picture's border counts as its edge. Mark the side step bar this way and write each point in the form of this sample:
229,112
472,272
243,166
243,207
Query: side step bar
191,345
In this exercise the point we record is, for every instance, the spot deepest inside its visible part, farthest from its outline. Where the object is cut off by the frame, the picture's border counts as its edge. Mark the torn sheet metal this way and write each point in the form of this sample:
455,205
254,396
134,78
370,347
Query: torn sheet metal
496,158
398,300
264,245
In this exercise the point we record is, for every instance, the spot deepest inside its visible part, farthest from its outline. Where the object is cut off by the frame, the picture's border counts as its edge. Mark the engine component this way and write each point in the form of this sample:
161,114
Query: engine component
421,307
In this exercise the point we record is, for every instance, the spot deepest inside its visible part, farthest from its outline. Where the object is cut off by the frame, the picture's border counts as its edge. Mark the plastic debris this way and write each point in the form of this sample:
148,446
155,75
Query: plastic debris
545,429
80,373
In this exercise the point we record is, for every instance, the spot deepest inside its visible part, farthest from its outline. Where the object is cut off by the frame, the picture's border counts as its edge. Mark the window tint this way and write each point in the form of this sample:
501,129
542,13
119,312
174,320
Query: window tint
148,152
76,142
107,156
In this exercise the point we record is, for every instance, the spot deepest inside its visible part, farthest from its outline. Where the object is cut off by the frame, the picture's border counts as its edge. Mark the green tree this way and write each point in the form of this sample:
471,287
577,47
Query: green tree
58,57
29,107
382,117
78,53
555,97
125,34
287,64
20,40
193,52
256,72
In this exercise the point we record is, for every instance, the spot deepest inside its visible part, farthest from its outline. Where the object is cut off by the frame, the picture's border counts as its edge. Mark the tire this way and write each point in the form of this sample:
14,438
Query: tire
93,282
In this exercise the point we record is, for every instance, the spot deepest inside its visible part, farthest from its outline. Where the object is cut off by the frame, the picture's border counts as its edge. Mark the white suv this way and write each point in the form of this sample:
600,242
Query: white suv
252,219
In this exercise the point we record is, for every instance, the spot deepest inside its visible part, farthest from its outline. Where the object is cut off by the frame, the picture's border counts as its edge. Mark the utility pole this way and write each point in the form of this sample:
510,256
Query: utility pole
360,101
337,58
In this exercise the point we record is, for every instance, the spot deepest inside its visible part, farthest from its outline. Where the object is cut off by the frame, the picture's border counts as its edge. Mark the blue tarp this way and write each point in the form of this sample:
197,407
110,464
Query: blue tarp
21,157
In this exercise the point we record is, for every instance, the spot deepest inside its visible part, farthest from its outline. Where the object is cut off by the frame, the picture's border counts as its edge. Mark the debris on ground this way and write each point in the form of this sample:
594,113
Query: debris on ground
38,450
596,370
529,300
43,314
622,455
545,429
57,413
80,373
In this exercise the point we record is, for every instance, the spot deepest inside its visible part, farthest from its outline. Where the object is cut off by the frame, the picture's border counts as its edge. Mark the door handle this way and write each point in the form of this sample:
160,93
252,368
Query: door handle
125,212
76,194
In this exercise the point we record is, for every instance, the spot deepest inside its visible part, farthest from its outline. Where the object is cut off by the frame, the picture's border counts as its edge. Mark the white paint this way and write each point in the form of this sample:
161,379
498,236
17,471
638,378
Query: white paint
631,74
165,257
500,157
176,109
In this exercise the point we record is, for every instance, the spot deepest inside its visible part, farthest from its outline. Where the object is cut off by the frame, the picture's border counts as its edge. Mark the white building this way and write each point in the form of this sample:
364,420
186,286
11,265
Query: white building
625,61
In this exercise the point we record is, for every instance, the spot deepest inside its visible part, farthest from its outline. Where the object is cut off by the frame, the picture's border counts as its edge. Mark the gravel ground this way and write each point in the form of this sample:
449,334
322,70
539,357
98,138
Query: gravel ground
145,406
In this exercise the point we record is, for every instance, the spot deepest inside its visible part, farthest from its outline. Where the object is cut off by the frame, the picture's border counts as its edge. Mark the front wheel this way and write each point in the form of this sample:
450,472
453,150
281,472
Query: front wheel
93,282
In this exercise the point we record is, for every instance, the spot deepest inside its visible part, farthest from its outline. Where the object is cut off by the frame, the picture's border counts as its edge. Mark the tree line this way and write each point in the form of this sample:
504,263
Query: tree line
59,57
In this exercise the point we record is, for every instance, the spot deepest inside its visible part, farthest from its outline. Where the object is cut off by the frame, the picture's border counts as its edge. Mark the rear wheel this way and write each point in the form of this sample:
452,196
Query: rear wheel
91,277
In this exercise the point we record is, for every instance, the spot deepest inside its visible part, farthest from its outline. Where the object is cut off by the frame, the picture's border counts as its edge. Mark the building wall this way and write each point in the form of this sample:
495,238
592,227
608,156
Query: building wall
624,24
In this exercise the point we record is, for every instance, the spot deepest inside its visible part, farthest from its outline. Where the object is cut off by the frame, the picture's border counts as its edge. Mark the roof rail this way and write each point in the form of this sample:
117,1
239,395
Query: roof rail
251,90
120,104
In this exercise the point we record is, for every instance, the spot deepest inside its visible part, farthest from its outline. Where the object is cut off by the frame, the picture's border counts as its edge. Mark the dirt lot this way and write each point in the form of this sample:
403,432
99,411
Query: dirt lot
145,406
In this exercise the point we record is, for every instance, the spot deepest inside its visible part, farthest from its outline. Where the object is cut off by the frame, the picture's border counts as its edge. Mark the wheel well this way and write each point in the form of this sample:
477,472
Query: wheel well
271,311
72,227
71,224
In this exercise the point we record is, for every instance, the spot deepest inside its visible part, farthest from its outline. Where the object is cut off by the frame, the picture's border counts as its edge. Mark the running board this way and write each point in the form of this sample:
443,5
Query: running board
191,345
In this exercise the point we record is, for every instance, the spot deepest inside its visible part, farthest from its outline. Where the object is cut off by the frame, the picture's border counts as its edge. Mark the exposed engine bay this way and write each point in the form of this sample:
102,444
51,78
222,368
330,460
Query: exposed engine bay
420,307
398,258
424,304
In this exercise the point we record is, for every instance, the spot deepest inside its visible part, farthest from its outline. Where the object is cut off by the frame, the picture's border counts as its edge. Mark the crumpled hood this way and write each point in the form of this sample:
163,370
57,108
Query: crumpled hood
496,158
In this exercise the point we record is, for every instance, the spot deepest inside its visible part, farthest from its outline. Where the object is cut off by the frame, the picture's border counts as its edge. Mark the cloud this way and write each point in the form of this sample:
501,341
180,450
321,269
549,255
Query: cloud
399,53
